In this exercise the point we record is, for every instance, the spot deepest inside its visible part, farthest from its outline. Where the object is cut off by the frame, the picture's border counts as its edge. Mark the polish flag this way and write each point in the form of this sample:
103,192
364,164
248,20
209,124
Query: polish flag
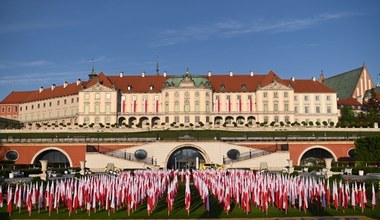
187,194
373,197
9,200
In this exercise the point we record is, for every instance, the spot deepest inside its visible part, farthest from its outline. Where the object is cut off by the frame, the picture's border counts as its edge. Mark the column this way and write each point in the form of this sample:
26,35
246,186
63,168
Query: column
328,167
43,175
82,167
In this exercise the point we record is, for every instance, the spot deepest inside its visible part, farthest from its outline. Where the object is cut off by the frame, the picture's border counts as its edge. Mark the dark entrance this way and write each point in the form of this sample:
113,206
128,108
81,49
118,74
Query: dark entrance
315,157
55,159
184,158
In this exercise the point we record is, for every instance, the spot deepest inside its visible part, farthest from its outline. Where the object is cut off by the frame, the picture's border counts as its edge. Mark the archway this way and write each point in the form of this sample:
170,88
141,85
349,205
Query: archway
132,121
54,157
155,121
218,120
185,158
315,156
229,120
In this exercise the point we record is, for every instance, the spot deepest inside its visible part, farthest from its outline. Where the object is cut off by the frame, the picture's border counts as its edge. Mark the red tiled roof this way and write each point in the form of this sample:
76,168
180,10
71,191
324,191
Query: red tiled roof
58,91
234,83
138,84
349,101
16,97
102,79
308,86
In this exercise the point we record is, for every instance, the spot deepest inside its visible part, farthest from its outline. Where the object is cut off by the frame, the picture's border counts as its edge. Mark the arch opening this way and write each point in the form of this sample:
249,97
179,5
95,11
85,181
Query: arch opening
315,156
185,158
55,158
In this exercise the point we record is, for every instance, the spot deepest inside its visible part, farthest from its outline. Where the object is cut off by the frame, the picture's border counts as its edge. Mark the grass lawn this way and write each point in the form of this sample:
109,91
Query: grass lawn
197,211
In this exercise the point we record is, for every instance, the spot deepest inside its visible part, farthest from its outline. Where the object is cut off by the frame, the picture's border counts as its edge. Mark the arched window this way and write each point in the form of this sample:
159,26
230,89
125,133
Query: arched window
187,106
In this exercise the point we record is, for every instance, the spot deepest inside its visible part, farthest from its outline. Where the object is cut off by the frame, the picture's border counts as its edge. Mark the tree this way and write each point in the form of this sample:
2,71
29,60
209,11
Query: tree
347,117
368,148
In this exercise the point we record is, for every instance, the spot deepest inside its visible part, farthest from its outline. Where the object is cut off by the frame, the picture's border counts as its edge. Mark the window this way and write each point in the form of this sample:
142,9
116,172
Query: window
286,119
86,96
216,97
97,120
266,119
166,107
26,108
49,104
306,98
286,107
64,102
276,119
44,104
295,109
20,108
265,94
108,109
207,106
328,109
207,94
16,108
32,106
222,86
2,109
285,94
86,108
197,119
249,97
187,119
176,106
72,100
166,119
176,94
197,107
176,119
275,95
265,107
317,98
187,106
328,98
97,96
295,98
97,108
187,94
207,119
306,109
38,106
108,95
166,94
317,109
228,97
196,94
275,107
57,103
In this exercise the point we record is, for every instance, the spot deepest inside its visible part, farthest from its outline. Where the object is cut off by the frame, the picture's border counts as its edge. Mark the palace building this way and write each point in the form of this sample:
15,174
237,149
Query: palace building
175,100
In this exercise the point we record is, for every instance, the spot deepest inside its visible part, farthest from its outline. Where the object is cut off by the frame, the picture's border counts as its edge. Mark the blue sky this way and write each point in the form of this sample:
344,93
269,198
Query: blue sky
45,42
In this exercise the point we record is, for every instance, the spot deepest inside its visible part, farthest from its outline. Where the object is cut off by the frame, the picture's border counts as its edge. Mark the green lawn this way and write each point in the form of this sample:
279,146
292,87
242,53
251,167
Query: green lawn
197,211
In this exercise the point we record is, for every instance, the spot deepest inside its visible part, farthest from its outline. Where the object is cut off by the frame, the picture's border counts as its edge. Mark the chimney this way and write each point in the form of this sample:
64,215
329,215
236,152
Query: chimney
209,73
65,84
143,74
251,73
78,82
231,73
41,89
165,73
121,74
53,87
313,79
293,79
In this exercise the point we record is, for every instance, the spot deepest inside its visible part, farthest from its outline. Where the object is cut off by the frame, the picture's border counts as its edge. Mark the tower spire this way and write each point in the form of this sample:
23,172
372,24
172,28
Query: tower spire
93,73
157,66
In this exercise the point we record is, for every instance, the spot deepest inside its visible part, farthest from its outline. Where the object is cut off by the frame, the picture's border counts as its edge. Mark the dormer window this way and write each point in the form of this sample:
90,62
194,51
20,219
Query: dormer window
129,87
222,86
151,87
243,87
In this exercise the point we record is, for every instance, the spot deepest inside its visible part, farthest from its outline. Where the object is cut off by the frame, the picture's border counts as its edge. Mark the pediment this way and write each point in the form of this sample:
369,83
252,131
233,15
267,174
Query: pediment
98,88
187,81
276,86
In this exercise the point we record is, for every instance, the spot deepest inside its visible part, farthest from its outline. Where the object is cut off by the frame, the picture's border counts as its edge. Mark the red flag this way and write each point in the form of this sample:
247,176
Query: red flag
9,200
187,194
373,197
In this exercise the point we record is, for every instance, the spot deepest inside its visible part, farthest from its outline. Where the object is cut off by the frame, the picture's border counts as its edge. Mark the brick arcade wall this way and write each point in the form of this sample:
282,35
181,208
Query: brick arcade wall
338,149
28,152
